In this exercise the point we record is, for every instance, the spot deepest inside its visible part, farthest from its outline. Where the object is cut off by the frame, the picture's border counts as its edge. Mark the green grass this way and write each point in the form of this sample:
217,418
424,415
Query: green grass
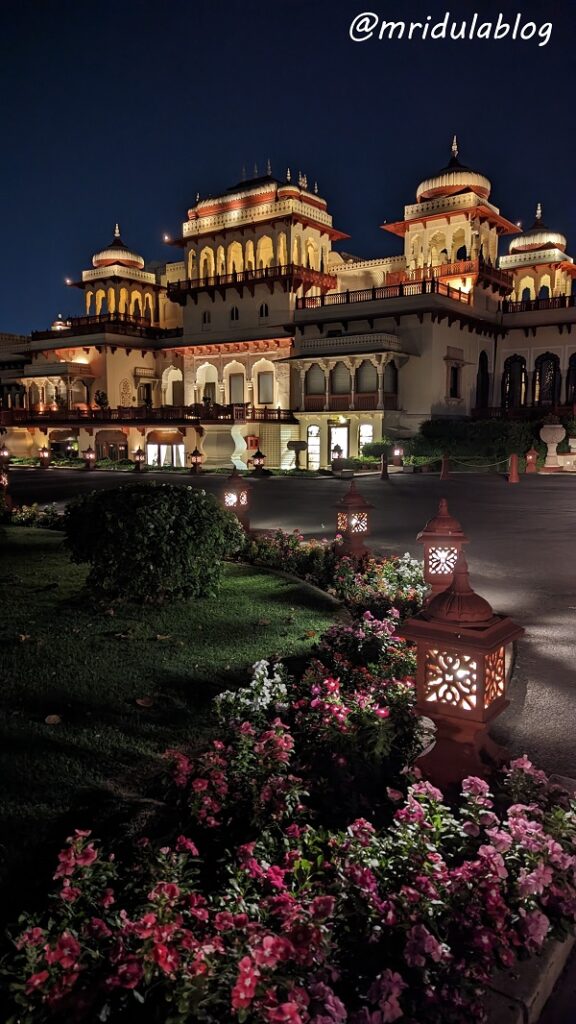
60,656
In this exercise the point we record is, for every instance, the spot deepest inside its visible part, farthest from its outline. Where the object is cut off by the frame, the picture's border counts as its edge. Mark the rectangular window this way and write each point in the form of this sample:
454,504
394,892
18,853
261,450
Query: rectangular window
454,382
266,388
365,435
236,388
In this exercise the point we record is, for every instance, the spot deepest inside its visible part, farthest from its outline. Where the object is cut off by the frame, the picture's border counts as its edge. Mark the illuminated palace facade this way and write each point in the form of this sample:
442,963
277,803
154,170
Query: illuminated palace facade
262,333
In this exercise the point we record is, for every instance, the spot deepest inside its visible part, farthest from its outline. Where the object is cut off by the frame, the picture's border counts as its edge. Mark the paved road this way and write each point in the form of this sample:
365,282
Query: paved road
521,556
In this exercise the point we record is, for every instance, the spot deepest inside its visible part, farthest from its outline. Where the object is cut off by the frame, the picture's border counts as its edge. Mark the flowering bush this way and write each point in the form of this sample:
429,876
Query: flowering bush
370,642
47,518
363,584
303,925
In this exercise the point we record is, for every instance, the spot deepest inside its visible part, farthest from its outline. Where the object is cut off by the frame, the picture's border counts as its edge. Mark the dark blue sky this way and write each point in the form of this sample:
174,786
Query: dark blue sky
124,109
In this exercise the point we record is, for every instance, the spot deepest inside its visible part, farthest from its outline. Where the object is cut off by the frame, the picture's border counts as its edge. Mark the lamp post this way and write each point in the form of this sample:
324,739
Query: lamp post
196,459
44,456
532,461
464,660
139,461
443,538
352,522
89,456
4,457
236,497
258,460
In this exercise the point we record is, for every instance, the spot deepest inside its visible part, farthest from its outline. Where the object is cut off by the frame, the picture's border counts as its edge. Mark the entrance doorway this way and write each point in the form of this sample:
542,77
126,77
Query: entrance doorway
339,436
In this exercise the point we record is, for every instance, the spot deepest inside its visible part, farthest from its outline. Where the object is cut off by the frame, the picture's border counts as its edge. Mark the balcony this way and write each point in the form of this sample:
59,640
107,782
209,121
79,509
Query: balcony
290,277
524,412
107,323
478,268
536,305
188,415
403,290
363,401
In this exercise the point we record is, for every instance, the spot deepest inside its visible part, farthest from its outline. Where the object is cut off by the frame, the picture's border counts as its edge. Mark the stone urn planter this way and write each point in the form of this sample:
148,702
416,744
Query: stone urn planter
551,434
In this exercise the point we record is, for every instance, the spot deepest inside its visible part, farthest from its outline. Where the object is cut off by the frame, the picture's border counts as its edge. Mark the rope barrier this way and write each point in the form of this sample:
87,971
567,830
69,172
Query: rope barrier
483,465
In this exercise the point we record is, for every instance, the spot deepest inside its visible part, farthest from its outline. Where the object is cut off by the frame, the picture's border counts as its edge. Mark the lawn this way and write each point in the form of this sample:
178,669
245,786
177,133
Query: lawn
91,668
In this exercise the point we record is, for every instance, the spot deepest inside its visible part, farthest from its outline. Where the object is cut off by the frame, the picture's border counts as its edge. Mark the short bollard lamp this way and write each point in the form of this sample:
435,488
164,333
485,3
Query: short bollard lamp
532,461
139,460
442,538
463,653
237,497
196,459
89,456
397,455
44,456
352,522
4,457
258,460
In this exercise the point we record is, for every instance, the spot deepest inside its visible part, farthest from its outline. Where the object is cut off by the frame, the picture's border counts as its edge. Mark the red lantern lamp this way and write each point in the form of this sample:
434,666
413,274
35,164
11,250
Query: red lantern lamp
443,538
352,522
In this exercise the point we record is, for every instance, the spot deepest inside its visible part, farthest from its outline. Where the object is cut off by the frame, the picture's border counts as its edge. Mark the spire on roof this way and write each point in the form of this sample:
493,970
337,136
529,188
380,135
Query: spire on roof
288,175
268,166
116,231
538,212
315,188
455,147
255,170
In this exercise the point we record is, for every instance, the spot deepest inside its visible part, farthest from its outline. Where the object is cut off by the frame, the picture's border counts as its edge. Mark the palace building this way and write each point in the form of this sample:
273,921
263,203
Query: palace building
262,332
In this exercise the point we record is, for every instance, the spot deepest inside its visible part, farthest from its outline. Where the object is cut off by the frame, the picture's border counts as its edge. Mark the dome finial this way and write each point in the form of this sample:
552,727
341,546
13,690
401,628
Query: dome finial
455,147
538,212
116,230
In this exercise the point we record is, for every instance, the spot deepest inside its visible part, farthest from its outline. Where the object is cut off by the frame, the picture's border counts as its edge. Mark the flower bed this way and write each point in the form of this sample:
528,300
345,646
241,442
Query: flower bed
302,872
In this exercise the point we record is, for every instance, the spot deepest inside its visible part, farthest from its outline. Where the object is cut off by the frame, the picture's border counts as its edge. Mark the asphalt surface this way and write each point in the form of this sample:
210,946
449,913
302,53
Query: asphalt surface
521,558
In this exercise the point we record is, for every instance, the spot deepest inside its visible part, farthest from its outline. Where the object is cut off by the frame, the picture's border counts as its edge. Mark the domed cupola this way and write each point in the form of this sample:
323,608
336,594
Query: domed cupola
453,179
119,253
539,237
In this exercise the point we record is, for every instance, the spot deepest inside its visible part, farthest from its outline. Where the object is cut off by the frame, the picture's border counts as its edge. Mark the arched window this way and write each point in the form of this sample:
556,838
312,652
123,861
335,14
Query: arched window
461,253
482,382
514,382
206,319
544,292
526,295
546,382
391,379
234,314
263,312
571,380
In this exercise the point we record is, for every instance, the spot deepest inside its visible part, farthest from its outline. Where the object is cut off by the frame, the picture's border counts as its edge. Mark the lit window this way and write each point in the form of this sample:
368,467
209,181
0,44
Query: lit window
365,435
266,387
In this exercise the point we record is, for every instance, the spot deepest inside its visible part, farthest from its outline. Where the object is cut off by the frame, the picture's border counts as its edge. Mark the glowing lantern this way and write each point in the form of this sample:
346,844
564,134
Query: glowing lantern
139,460
352,521
237,497
532,461
464,659
196,459
258,460
89,456
4,457
442,538
397,455
44,456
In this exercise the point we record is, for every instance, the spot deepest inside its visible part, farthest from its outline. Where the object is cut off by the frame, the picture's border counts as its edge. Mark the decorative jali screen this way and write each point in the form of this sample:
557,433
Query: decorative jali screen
355,523
441,561
451,679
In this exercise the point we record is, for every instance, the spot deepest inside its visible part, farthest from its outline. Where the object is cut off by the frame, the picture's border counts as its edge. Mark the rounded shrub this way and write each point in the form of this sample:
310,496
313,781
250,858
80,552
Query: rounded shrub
152,542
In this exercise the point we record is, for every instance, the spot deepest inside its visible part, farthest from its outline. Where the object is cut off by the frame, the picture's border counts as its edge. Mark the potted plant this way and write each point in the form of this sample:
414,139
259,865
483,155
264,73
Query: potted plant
571,431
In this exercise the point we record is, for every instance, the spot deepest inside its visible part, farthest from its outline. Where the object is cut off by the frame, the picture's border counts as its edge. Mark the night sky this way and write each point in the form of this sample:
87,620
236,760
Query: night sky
122,111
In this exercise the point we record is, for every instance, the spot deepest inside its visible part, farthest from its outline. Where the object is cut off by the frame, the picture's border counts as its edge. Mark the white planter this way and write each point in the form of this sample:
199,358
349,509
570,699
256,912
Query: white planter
552,434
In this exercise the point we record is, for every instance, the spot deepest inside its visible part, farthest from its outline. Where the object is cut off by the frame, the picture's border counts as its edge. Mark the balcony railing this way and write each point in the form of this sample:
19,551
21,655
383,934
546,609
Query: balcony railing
363,400
178,290
533,305
188,415
110,323
458,268
524,412
397,291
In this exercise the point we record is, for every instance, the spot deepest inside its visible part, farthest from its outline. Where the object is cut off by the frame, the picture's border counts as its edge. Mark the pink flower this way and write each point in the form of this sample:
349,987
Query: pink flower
421,944
199,785
322,906
224,921
108,898
472,786
87,856
186,845
536,925
285,1013
166,958
165,890
36,981
275,876
245,987
69,893
128,975
31,937
534,882
66,952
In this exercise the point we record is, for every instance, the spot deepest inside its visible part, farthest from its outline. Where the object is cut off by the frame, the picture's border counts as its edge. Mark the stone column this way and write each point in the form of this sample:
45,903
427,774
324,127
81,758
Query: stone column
302,389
